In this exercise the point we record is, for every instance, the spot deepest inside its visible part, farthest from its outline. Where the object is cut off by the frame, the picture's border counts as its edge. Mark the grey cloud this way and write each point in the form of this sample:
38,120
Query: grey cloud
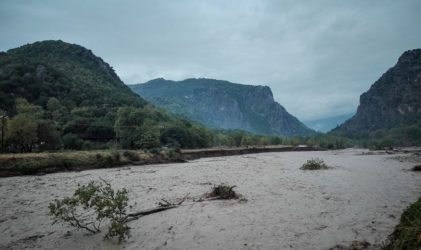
317,56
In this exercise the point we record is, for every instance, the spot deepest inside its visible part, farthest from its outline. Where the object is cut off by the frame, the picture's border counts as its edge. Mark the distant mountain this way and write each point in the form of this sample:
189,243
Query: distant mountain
68,72
393,100
222,104
326,124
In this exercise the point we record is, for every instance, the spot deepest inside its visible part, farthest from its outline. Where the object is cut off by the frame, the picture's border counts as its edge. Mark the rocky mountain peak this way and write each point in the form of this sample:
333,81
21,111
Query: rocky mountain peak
410,56
393,100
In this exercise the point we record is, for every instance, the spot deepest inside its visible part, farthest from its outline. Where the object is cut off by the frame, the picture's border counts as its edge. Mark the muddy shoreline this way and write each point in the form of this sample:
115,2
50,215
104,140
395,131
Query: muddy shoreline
202,153
21,164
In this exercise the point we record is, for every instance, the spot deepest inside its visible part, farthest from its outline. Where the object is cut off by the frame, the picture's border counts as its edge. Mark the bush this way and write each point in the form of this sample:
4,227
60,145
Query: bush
224,192
407,234
108,160
116,155
355,245
132,156
172,153
314,164
416,168
92,204
154,151
72,141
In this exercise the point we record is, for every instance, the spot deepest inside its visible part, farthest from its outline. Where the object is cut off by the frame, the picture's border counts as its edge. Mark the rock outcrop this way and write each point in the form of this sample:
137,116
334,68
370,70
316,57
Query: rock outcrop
393,100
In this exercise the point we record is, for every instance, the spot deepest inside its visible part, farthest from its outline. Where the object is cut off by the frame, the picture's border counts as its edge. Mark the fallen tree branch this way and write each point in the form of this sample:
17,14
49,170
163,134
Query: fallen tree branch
162,207
137,215
182,200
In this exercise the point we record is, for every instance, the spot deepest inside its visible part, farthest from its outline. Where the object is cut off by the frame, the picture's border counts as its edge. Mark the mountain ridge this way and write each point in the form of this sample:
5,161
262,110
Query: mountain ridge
393,100
223,104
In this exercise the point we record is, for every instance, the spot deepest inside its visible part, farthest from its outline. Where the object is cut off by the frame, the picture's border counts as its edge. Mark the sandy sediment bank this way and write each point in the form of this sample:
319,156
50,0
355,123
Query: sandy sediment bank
44,163
215,152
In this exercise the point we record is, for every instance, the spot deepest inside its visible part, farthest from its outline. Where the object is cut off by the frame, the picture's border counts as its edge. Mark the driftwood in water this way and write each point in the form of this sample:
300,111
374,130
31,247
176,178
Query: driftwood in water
164,205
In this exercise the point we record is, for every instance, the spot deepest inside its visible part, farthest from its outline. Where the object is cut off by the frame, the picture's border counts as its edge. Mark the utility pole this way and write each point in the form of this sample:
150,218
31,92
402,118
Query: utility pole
3,122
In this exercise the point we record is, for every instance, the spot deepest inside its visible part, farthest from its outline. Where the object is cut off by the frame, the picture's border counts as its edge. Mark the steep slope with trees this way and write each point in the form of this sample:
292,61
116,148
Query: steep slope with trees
60,95
222,104
68,72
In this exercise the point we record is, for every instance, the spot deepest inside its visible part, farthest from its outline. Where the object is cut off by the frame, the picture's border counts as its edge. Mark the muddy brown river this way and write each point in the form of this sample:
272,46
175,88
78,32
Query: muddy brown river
359,199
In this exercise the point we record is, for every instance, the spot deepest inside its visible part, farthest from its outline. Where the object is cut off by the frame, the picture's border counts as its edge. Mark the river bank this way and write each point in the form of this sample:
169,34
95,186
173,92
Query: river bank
44,163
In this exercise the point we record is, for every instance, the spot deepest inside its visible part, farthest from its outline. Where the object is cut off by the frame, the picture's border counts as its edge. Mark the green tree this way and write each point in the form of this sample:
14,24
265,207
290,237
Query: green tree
125,127
134,130
247,141
275,140
72,141
3,129
22,133
53,104
48,135
176,136
92,204
147,135
30,110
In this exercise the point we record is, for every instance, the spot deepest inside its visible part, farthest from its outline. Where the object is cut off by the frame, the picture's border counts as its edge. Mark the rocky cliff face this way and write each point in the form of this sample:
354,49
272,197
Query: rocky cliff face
223,104
393,100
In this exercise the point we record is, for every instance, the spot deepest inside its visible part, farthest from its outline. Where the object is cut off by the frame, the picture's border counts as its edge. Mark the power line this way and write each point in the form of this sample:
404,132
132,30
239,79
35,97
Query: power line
119,126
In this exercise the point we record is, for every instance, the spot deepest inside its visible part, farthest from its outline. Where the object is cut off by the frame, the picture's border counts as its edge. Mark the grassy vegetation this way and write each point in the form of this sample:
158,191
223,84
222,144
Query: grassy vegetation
37,163
314,164
407,234
223,192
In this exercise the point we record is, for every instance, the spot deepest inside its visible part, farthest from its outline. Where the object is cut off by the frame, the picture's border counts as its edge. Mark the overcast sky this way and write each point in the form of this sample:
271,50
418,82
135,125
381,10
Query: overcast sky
317,56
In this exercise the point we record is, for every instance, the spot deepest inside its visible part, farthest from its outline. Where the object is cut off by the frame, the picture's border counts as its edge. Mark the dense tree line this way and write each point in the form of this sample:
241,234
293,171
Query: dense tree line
403,135
56,127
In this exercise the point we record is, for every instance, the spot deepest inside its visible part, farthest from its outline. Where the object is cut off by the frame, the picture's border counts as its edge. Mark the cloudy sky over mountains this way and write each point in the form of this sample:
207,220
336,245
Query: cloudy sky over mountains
317,56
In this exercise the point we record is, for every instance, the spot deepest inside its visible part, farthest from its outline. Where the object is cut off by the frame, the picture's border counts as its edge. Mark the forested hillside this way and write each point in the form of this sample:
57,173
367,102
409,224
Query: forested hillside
223,104
57,95
60,95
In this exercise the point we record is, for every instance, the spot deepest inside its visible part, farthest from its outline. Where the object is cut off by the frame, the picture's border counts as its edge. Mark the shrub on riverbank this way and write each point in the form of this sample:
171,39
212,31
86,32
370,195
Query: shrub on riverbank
314,164
407,234
223,192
